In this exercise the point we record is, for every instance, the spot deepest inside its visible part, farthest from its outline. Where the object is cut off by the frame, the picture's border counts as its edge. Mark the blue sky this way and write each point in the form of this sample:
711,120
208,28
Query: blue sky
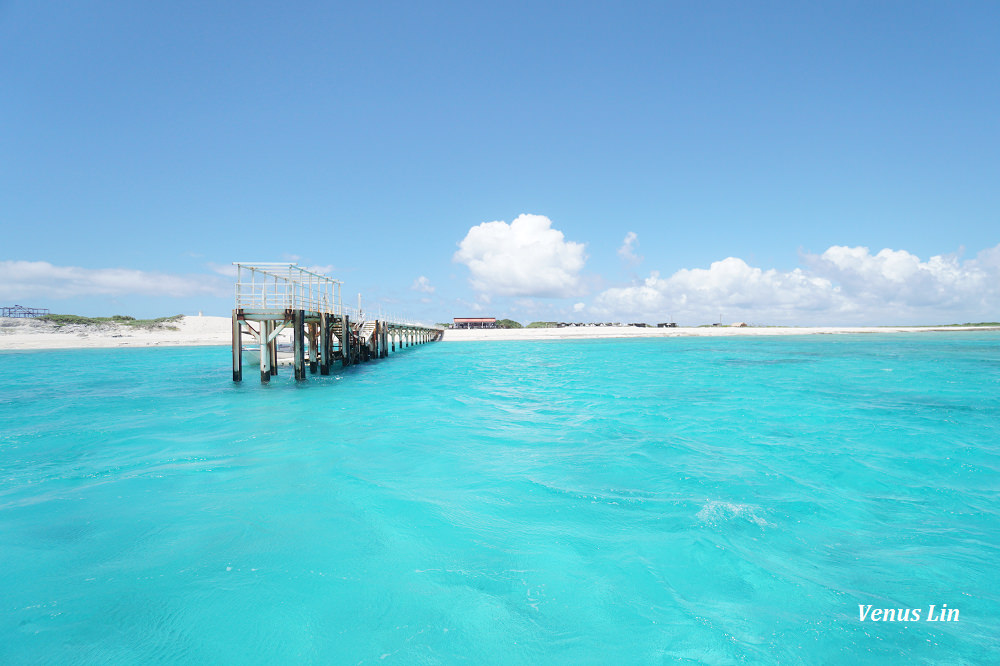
752,150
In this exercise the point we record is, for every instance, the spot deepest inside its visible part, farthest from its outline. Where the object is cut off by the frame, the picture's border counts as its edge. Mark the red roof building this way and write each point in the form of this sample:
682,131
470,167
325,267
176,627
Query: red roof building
474,322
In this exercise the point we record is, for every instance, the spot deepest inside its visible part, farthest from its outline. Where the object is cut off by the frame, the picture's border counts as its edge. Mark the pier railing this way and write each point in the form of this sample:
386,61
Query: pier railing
274,286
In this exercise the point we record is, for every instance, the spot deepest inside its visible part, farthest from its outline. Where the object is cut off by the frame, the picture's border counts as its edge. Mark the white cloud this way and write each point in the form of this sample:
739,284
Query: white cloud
228,270
627,250
524,258
898,277
422,284
579,307
40,279
324,269
842,285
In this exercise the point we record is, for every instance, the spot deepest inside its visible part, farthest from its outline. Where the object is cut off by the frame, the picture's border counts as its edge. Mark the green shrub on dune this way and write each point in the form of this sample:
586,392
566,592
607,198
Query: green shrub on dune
124,320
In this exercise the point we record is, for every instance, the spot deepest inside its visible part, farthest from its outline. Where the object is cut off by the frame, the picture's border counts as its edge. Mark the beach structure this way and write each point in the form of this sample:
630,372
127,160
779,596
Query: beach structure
21,312
474,322
273,297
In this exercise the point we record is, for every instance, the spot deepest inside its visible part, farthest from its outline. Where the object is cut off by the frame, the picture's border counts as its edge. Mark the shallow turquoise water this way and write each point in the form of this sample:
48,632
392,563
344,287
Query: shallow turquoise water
589,502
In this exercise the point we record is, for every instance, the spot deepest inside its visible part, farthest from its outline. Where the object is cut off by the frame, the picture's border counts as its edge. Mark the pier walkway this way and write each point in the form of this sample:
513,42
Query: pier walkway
273,297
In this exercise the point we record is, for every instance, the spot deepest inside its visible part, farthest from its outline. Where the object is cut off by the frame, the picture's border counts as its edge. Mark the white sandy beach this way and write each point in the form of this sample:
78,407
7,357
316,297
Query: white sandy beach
581,332
189,331
18,334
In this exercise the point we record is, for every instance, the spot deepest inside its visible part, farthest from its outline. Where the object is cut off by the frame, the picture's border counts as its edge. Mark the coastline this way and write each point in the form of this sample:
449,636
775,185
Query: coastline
28,334
193,331
592,332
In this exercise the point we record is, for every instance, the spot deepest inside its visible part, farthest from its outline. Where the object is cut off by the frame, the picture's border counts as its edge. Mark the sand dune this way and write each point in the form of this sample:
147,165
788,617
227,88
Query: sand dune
189,331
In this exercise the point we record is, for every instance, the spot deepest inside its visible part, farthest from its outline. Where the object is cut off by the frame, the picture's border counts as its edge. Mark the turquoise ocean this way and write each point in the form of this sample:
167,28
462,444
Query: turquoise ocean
656,501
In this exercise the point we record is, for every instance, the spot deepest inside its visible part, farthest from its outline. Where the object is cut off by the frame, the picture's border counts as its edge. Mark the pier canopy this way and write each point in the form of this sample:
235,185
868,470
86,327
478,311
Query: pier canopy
266,286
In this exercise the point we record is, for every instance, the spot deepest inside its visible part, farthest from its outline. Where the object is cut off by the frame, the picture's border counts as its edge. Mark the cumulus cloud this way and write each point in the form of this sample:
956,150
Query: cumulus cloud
40,279
841,285
422,284
627,250
898,277
524,258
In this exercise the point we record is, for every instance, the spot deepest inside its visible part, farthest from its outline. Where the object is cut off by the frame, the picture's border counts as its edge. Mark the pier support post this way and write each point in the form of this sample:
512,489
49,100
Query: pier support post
345,341
313,348
298,325
273,346
324,350
265,354
237,348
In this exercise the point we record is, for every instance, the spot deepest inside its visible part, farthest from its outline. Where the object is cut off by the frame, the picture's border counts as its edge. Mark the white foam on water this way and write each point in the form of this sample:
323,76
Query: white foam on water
715,512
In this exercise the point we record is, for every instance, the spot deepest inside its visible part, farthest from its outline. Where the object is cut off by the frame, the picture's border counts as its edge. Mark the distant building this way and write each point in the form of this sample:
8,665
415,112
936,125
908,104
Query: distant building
21,312
474,322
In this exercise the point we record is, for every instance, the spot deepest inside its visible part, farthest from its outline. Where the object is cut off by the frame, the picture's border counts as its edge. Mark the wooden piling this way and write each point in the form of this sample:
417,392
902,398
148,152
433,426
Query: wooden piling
298,335
272,345
265,354
345,341
313,348
237,347
324,351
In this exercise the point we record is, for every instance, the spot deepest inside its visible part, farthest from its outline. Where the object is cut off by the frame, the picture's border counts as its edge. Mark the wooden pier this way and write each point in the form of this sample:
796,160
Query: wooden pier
275,297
